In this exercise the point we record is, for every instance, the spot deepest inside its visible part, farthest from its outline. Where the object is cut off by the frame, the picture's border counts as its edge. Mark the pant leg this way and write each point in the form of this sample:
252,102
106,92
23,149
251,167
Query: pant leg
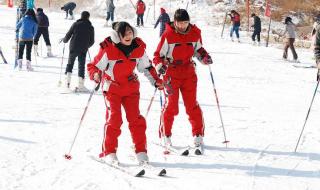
170,109
29,49
112,16
108,16
189,95
285,49
112,127
72,58
37,36
258,36
236,29
137,123
21,49
138,20
294,53
253,37
231,31
67,12
82,63
71,12
45,33
141,17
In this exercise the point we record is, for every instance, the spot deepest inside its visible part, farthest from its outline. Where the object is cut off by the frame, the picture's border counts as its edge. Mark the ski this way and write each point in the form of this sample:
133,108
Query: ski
2,56
117,166
184,151
305,66
162,172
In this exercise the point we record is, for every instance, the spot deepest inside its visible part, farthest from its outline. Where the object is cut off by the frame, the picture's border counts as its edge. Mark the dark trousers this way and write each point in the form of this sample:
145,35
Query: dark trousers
256,33
140,18
70,12
288,44
236,30
45,32
81,63
110,15
28,44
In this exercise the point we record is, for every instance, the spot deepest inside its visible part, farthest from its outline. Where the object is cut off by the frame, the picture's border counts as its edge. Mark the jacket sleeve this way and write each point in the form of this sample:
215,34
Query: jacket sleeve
91,41
155,26
35,29
162,50
99,63
199,52
317,45
145,66
69,34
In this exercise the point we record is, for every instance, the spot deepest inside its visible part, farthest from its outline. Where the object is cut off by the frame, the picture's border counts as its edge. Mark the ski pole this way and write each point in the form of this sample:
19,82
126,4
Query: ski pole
218,105
89,56
305,121
151,100
35,54
60,82
68,156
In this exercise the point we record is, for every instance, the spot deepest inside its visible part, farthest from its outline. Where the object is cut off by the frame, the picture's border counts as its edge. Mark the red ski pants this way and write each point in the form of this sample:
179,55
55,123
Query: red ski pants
188,88
137,123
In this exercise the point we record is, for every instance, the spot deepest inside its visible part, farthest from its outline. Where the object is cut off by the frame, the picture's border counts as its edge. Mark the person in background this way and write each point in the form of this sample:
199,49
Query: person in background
68,8
173,59
316,44
163,20
27,29
256,29
141,7
235,19
110,11
81,34
290,34
43,25
119,55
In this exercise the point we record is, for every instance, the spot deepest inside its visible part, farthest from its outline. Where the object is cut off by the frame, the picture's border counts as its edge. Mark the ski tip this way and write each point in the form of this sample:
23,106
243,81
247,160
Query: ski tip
163,172
185,153
166,152
140,174
197,152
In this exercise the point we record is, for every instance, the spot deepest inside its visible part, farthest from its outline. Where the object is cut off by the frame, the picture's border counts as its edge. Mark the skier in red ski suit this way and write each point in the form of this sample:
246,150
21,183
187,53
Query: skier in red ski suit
173,58
114,65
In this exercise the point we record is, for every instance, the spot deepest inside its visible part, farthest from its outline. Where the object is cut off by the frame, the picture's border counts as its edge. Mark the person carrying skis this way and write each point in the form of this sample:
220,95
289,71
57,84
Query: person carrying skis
290,34
235,19
114,66
141,7
43,24
68,8
82,38
163,20
27,29
256,28
110,11
317,43
173,59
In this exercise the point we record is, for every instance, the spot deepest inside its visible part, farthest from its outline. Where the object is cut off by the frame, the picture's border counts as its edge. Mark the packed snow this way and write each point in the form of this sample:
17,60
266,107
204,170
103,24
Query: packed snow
264,101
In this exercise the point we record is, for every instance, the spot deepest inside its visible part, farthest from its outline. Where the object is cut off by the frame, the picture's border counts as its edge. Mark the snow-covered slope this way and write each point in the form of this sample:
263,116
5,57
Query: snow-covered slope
263,100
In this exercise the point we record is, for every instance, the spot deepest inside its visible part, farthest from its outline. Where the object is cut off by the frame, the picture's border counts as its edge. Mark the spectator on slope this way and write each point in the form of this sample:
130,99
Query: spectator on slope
110,11
235,19
68,8
140,8
82,38
163,20
256,28
290,34
27,29
43,25
119,55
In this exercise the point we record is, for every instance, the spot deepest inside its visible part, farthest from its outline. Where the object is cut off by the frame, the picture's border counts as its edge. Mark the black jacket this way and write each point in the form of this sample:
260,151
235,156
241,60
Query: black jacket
256,24
42,19
82,36
70,5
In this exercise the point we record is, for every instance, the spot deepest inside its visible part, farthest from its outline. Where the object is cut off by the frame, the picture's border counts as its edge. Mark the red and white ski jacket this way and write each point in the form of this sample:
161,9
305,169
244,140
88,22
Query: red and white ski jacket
179,48
117,70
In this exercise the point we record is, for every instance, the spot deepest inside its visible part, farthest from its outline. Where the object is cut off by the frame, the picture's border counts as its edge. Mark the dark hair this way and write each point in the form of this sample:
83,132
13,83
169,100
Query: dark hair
252,15
287,20
85,15
39,10
181,15
234,12
121,27
62,8
30,12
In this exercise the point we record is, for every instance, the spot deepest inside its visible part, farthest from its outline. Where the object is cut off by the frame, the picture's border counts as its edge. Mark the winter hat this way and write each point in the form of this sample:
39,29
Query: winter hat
85,15
162,10
39,10
287,20
181,15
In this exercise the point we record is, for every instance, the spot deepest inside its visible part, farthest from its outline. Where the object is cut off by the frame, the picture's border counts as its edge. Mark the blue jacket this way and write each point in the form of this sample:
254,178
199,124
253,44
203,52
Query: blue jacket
163,20
27,28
